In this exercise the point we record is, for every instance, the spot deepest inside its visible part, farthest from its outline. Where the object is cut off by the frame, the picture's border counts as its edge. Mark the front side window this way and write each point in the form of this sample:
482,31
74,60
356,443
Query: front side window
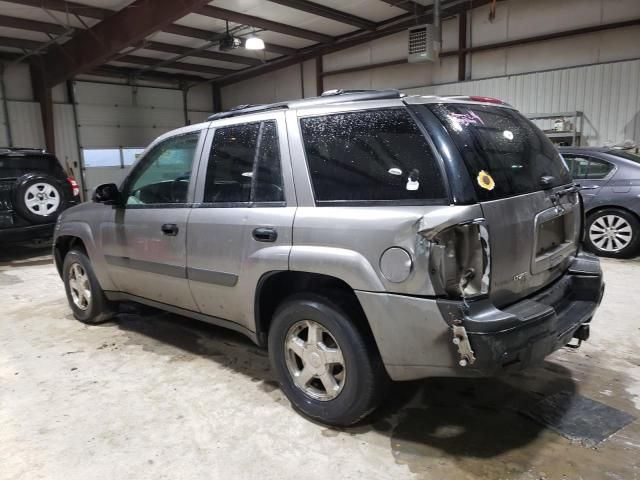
244,165
165,173
371,156
504,152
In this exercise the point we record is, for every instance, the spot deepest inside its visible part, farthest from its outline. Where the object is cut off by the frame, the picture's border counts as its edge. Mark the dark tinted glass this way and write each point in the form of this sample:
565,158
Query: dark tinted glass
268,182
377,155
634,157
244,165
502,150
578,166
582,167
598,169
16,166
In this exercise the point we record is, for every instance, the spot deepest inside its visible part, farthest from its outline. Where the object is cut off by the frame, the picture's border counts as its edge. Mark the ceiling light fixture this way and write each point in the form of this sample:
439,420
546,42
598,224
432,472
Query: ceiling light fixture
254,43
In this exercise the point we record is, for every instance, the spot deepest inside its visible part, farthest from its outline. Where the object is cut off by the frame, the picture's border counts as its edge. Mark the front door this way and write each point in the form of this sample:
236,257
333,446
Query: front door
241,225
145,240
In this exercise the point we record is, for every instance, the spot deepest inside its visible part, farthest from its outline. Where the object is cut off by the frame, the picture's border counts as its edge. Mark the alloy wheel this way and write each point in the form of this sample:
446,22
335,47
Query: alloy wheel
314,360
610,233
79,286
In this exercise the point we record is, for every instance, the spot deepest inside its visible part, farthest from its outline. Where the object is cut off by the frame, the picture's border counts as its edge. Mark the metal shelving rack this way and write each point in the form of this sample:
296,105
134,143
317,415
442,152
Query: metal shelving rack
570,138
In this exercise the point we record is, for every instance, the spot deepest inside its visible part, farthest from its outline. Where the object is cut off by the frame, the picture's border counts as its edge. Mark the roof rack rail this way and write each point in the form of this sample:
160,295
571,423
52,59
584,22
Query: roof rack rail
328,97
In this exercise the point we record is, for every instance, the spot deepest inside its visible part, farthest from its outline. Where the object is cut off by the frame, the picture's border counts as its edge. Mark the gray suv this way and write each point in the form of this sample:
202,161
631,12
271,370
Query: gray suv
360,236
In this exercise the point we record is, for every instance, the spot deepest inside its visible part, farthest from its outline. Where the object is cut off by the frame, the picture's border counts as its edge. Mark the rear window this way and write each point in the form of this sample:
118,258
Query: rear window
634,157
504,152
16,166
371,156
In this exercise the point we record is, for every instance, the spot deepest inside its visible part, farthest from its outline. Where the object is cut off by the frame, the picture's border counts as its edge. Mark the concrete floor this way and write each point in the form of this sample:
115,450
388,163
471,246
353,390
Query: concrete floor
155,396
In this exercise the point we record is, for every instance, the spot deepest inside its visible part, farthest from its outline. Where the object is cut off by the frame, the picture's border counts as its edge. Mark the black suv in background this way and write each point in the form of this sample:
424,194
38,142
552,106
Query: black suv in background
34,189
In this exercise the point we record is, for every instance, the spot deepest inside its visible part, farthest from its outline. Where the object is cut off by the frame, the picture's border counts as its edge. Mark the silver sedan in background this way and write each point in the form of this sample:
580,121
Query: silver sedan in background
612,203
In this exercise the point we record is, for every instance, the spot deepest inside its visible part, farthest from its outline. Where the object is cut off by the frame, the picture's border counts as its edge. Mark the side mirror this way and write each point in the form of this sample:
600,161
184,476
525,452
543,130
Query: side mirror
106,193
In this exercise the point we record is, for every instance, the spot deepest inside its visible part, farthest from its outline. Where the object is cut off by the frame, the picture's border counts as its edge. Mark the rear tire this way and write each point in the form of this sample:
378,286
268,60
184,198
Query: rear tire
86,297
612,233
327,366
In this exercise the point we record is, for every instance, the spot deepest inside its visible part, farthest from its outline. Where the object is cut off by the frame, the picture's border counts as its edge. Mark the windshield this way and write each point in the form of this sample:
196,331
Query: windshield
504,152
634,157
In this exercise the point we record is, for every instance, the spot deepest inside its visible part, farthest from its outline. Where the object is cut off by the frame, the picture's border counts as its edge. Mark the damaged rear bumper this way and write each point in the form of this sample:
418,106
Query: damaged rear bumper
524,333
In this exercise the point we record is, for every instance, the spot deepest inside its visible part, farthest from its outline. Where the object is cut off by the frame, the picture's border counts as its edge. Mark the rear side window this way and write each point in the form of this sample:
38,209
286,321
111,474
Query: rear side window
16,166
371,156
504,152
587,168
244,165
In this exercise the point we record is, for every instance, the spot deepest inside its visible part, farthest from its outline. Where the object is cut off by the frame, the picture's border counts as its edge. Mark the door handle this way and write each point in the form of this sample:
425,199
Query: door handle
265,234
170,229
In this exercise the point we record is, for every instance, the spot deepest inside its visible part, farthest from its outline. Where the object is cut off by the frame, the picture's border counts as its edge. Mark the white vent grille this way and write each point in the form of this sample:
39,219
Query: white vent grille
422,46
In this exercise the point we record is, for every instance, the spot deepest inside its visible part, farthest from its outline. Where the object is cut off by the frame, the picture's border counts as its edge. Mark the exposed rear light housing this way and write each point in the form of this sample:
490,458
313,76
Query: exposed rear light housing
75,189
460,260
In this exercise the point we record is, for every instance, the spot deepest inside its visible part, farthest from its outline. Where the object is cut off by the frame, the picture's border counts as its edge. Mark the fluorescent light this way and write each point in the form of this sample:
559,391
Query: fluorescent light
254,43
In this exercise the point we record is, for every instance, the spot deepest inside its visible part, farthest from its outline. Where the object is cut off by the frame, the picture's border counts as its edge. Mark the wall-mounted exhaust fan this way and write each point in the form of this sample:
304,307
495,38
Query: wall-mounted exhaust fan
425,40
422,44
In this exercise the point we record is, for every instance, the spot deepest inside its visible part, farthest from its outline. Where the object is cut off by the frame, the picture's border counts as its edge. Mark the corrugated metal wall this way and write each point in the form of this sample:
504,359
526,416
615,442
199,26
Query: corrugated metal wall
608,94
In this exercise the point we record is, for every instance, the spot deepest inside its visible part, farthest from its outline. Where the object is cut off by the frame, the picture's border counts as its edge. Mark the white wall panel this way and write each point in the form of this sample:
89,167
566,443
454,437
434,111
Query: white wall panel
17,81
4,139
26,124
158,98
283,84
110,136
101,115
608,94
200,98
65,138
198,117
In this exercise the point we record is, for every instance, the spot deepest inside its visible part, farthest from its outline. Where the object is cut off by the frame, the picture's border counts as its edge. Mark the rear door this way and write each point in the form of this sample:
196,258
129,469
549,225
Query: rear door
523,187
589,172
241,225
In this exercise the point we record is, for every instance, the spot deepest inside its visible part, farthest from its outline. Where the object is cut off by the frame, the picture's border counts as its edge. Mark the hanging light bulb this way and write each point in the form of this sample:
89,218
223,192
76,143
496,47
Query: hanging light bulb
254,43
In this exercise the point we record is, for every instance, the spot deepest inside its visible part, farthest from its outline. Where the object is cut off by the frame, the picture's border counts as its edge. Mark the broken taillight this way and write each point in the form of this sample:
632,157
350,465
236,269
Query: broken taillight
75,189
460,260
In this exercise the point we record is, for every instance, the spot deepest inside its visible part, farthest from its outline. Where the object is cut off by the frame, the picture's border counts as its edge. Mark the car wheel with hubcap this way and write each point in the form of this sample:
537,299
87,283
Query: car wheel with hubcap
325,361
613,233
84,294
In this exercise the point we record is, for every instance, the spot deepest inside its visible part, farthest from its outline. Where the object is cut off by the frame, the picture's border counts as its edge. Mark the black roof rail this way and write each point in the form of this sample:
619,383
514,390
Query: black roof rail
21,151
327,98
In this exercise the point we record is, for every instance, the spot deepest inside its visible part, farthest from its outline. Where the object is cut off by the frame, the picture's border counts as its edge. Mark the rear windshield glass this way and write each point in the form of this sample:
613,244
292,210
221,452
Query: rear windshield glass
16,166
634,157
371,156
504,152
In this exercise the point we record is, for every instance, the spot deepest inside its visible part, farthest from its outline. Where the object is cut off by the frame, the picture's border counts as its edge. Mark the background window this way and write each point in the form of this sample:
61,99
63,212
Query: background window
244,165
370,156
587,168
165,172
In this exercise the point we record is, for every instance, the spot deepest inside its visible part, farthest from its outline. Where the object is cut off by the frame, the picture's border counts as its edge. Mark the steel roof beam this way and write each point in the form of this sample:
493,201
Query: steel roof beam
129,26
244,19
153,62
327,12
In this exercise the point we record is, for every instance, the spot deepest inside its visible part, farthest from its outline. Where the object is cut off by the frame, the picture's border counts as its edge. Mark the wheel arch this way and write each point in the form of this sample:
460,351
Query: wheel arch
274,287
598,208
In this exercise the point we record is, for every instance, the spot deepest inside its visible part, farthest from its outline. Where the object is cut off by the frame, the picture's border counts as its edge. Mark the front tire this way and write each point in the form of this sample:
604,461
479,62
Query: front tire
86,297
327,366
613,233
